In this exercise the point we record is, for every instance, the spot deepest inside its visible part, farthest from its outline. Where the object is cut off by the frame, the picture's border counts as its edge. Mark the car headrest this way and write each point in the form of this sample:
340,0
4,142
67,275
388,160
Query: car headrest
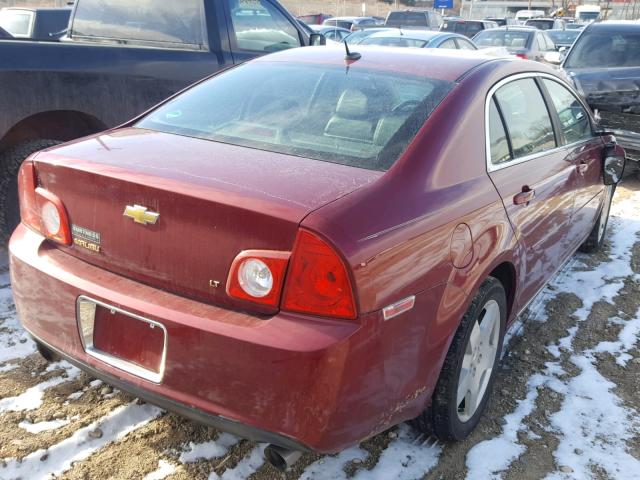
352,104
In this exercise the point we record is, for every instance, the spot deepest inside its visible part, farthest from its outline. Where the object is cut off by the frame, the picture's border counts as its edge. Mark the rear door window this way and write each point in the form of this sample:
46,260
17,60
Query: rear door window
498,142
141,21
526,117
574,119
17,22
258,26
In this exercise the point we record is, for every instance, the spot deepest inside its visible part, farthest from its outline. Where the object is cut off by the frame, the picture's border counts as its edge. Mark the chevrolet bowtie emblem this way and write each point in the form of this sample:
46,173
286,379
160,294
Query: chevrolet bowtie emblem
141,214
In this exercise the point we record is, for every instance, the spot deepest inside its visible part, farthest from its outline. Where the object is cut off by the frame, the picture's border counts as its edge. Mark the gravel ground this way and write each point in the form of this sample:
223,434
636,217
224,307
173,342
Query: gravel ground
564,405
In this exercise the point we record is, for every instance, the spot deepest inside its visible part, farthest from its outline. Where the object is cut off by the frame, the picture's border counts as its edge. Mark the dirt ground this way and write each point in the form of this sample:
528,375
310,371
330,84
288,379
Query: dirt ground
80,401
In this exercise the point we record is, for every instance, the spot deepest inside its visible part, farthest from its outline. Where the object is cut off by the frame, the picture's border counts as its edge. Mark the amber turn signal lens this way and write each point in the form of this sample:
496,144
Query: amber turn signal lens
318,281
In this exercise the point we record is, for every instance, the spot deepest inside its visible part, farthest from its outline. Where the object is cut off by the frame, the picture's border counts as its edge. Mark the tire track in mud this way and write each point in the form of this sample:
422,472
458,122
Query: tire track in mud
558,339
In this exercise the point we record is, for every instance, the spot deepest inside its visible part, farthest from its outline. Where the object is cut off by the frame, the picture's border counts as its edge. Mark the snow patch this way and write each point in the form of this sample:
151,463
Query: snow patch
43,426
208,450
164,470
248,465
332,467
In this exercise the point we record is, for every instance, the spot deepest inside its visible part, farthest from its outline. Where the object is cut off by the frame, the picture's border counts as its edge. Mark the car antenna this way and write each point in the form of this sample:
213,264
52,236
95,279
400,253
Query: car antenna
350,56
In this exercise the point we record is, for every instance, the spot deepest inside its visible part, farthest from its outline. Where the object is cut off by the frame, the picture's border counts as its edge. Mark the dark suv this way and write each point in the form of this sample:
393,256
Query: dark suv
422,19
467,28
604,65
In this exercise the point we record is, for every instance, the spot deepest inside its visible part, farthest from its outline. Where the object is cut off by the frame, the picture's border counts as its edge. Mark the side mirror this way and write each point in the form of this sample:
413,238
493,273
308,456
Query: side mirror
554,58
316,39
614,160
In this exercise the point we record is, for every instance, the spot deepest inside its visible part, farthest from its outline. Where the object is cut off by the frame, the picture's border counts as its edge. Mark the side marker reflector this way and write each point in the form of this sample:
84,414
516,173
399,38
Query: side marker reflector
397,308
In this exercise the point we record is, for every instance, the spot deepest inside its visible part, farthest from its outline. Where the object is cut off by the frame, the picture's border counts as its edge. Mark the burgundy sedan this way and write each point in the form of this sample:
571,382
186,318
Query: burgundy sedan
307,251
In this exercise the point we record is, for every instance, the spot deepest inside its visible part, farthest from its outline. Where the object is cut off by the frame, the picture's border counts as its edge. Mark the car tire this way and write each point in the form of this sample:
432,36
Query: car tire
10,162
596,237
464,368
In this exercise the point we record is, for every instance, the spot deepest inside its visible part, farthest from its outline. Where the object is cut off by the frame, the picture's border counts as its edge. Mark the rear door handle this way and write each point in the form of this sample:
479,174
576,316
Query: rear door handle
524,197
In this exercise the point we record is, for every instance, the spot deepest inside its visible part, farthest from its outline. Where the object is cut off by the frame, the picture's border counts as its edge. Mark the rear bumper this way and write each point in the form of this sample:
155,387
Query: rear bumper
295,381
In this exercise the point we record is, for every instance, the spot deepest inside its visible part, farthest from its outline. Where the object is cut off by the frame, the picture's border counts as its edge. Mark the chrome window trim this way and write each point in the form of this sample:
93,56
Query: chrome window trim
519,76
85,329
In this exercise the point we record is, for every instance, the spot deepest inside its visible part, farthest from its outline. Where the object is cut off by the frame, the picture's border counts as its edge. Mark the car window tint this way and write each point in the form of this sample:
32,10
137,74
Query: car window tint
526,116
605,49
499,146
358,117
448,44
143,20
259,26
574,119
473,28
407,19
502,38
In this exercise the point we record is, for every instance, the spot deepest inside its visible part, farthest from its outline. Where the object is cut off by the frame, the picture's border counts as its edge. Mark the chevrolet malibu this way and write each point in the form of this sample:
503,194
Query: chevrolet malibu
306,250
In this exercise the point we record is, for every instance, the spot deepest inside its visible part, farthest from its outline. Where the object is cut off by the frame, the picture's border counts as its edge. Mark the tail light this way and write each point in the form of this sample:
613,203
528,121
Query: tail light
317,280
258,276
521,55
40,209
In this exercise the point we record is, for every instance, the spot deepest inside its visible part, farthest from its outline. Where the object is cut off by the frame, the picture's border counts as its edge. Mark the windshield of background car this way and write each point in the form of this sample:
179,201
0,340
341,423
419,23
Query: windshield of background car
540,24
502,38
406,19
141,20
463,28
563,37
358,117
17,23
394,42
605,49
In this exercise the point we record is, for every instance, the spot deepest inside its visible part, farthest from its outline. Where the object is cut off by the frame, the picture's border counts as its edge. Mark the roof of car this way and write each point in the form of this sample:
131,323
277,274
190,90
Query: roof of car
426,35
321,28
447,65
615,25
514,28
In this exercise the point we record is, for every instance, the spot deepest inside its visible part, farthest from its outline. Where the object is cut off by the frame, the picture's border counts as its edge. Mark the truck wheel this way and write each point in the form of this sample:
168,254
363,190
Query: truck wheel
468,373
10,161
594,241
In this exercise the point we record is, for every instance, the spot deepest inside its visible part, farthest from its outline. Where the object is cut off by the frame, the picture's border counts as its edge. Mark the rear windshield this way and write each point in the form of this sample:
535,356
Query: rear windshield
406,19
540,24
16,22
354,116
394,42
141,20
605,49
563,37
502,38
464,28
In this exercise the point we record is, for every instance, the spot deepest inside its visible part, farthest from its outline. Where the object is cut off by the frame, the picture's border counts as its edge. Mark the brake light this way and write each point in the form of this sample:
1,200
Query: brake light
317,280
27,195
40,209
258,276
521,55
53,217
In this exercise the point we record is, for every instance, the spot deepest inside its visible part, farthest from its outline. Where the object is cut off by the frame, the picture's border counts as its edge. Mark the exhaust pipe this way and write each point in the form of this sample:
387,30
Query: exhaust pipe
281,458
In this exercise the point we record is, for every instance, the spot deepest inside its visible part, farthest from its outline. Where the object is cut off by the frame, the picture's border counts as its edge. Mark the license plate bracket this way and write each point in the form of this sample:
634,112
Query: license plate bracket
122,339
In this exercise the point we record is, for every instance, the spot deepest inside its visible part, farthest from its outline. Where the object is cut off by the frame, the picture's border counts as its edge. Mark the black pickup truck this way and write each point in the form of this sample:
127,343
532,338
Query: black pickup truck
118,59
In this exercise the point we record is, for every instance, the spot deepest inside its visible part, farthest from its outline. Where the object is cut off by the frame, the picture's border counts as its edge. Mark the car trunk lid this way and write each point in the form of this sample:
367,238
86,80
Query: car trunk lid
213,200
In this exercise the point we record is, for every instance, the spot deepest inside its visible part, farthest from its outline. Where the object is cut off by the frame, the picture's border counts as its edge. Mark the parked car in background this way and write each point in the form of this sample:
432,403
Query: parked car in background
502,21
118,60
587,13
353,23
468,28
420,39
523,42
563,38
35,23
4,34
356,37
414,19
604,65
546,23
354,269
334,34
315,19
575,26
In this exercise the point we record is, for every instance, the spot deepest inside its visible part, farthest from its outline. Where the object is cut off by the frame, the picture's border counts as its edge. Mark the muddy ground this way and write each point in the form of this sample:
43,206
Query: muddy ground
80,402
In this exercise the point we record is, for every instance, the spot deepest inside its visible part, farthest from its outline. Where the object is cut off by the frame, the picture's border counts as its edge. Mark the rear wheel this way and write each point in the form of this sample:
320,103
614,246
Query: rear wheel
468,373
594,241
10,162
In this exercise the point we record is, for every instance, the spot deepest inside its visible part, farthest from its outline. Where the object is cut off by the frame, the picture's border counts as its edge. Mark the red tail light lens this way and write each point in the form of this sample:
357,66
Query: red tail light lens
317,281
27,182
258,276
521,55
53,217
